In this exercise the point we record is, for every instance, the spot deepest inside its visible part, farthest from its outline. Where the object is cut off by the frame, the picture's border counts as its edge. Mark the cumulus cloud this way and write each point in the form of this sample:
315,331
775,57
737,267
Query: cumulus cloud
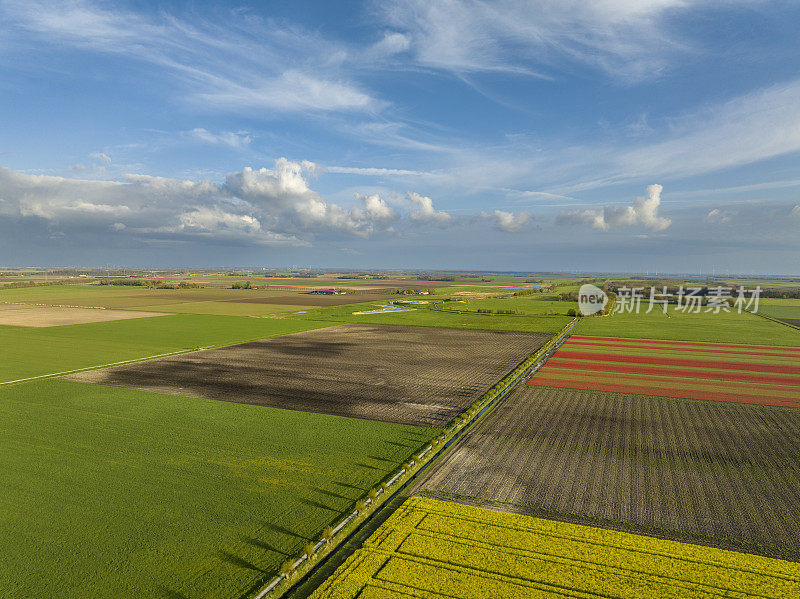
424,212
262,206
508,221
374,211
643,212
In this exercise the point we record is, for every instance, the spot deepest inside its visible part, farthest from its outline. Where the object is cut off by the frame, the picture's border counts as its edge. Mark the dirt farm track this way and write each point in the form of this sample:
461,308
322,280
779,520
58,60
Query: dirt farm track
411,375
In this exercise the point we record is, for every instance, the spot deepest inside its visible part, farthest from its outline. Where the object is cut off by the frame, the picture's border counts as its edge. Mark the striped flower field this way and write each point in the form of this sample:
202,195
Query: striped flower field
753,374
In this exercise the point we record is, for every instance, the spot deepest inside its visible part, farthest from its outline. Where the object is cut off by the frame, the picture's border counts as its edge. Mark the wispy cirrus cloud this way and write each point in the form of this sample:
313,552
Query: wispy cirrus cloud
743,130
235,62
232,139
627,39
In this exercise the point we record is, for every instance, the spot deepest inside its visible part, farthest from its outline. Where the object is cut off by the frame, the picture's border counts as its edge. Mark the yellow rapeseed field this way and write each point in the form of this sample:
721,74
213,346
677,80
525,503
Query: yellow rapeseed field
431,548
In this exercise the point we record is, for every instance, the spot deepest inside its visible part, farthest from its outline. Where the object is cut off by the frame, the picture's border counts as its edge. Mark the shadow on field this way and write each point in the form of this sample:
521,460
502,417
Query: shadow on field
168,593
238,561
407,375
359,490
261,544
370,467
378,458
271,526
318,505
331,494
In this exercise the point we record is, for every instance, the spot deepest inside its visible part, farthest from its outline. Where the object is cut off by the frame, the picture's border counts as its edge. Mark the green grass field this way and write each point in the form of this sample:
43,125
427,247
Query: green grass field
533,317
426,317
37,351
780,308
527,305
206,300
436,549
118,493
720,328
221,308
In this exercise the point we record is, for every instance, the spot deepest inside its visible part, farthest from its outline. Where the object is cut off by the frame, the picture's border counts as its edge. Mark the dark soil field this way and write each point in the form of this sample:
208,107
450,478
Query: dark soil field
795,322
410,375
312,299
709,472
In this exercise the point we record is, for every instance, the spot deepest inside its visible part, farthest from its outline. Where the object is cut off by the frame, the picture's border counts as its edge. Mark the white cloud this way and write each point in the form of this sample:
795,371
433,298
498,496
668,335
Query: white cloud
232,139
229,62
214,219
718,216
264,206
102,157
795,213
644,212
291,91
508,221
280,187
369,171
749,128
390,44
628,38
424,211
376,209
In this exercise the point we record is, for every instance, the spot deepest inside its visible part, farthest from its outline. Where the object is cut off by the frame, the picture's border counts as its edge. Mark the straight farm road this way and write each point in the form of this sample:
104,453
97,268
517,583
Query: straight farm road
77,370
52,351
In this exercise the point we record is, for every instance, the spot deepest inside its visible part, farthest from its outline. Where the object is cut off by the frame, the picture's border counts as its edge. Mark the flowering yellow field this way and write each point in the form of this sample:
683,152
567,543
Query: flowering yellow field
434,549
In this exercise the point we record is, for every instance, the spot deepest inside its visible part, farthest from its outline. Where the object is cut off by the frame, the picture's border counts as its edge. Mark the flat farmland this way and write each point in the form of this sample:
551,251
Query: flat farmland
124,297
21,315
425,316
37,351
768,375
111,493
438,549
222,308
717,473
313,299
410,375
786,310
724,327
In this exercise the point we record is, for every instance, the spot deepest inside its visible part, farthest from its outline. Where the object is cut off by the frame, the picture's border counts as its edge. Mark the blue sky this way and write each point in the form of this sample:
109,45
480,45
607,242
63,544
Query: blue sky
613,135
